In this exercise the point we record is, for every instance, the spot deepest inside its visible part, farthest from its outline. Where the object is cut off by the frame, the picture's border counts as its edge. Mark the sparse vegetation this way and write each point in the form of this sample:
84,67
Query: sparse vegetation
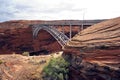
57,69
1,61
25,53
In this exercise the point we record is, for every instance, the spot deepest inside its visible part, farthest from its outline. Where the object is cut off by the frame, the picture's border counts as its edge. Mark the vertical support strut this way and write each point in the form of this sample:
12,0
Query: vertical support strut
79,28
70,34
63,29
82,25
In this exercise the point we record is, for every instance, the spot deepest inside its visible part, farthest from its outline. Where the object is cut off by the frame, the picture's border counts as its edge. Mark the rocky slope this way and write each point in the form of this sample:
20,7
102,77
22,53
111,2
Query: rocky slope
97,45
19,67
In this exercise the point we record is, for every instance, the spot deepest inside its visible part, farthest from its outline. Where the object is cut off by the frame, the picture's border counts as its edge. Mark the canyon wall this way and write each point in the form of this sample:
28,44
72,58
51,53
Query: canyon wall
95,52
16,36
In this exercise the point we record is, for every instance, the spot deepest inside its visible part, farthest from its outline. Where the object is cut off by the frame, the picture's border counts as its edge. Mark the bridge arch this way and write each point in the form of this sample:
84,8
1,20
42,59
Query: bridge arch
59,36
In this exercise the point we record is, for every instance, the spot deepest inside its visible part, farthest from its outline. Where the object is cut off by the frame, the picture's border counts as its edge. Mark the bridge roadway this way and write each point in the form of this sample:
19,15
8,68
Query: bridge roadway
59,36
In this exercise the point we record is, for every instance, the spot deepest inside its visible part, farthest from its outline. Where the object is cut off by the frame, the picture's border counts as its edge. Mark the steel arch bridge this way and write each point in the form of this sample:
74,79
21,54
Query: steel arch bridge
59,36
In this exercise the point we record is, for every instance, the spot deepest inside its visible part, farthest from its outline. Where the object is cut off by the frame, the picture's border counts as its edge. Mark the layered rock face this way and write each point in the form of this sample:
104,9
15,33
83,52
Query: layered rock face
80,69
101,41
97,45
106,33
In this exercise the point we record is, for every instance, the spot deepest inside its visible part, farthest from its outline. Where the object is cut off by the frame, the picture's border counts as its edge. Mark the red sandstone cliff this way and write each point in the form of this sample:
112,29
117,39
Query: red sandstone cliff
99,43
16,36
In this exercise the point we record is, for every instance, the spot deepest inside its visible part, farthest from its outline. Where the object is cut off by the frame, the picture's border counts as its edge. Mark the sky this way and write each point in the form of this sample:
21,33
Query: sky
58,9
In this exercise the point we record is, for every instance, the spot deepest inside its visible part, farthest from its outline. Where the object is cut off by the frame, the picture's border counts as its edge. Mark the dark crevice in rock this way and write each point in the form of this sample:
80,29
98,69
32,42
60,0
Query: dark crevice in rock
82,70
41,52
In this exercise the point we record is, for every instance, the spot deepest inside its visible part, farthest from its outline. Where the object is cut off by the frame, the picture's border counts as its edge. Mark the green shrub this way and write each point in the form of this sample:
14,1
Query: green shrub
57,69
1,61
25,53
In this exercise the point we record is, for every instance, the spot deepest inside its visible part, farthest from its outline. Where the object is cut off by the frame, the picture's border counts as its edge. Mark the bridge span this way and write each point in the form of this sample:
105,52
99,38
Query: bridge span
59,36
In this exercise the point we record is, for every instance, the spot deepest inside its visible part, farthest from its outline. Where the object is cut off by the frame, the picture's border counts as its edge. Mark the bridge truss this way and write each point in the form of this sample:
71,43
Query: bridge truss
59,36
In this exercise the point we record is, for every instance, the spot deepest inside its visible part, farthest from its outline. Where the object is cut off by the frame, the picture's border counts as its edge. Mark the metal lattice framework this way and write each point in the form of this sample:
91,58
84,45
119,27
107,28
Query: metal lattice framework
59,36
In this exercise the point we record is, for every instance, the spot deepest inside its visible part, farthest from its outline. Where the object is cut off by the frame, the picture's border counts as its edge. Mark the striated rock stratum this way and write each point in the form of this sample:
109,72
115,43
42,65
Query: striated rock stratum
96,50
106,33
99,43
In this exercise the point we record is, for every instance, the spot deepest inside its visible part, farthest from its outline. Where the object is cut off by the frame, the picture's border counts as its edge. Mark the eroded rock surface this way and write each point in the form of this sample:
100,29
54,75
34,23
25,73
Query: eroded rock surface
99,48
98,43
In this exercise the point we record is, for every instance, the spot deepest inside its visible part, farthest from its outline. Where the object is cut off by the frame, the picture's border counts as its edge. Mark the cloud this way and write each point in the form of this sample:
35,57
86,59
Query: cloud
39,9
58,9
6,10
